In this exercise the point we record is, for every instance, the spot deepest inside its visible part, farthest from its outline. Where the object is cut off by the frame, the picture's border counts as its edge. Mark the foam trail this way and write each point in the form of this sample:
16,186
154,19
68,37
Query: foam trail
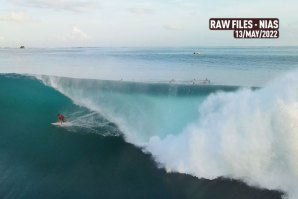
90,122
247,135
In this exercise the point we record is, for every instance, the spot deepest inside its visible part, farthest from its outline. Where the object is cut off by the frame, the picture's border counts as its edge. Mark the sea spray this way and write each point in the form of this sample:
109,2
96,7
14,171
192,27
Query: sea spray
90,122
247,135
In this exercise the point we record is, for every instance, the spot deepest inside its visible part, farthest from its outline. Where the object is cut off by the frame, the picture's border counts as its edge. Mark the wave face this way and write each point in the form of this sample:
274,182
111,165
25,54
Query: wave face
207,132
140,110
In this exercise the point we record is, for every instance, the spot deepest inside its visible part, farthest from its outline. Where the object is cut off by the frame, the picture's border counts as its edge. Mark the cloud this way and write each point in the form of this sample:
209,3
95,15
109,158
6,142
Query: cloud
172,27
16,17
70,5
140,11
2,39
78,35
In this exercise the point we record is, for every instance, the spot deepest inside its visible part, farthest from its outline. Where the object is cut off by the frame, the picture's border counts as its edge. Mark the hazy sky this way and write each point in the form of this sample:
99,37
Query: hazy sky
58,23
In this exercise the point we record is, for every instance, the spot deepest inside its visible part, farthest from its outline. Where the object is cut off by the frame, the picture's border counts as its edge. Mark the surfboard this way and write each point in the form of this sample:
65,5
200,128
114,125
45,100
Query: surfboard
63,124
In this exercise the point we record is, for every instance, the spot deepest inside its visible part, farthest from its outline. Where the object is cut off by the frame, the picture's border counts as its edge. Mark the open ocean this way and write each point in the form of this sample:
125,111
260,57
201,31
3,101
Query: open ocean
144,123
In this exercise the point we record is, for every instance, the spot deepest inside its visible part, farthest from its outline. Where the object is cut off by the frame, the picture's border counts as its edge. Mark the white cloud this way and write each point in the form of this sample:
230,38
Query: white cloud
16,17
2,39
71,5
140,11
78,35
172,27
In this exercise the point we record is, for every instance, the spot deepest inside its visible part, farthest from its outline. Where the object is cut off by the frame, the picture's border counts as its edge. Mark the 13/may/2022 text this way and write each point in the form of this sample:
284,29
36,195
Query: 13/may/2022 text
265,34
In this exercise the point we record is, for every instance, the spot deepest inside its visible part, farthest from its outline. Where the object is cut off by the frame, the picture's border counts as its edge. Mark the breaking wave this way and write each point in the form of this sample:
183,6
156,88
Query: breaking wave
206,131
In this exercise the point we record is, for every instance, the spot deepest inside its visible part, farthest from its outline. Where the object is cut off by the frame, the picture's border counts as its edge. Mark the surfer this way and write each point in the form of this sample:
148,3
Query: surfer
61,118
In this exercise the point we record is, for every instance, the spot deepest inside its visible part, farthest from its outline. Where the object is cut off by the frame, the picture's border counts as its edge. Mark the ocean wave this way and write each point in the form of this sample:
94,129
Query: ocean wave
246,134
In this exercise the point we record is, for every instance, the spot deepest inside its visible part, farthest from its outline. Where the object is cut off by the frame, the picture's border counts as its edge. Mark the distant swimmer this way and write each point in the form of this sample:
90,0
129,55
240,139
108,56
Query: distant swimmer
194,81
206,81
61,118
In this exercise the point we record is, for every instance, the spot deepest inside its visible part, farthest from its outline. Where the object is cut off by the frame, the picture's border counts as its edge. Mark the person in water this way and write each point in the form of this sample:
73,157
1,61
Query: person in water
61,118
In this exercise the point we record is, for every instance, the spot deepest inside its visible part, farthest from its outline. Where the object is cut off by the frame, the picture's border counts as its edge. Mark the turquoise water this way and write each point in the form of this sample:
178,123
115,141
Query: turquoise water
38,160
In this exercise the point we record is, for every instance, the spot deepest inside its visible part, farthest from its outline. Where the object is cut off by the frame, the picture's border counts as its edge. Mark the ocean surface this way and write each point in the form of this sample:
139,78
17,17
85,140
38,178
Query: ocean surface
144,123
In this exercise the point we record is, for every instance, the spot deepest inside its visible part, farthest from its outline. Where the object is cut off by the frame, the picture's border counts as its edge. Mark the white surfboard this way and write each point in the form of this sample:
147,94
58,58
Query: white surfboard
61,124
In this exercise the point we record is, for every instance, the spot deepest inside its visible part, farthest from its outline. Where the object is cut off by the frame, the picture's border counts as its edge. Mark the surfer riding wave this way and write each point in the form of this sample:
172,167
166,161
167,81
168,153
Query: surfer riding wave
61,118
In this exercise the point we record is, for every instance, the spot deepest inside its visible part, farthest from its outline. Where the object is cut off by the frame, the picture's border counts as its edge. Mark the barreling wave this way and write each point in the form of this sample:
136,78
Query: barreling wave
208,132
140,110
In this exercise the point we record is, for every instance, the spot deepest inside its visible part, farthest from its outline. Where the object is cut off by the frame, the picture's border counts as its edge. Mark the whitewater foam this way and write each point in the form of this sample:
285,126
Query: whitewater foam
251,135
247,135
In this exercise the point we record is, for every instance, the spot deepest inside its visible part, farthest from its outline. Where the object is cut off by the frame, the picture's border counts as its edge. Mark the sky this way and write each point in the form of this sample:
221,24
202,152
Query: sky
137,23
